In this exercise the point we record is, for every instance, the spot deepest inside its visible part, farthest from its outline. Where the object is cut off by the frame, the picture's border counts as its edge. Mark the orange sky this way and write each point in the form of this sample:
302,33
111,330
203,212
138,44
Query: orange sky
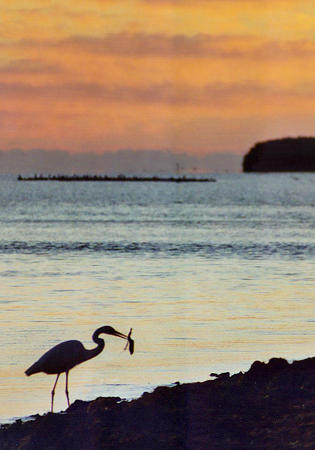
197,76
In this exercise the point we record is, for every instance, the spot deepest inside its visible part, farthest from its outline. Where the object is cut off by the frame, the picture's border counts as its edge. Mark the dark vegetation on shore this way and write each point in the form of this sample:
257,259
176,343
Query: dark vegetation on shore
120,178
281,155
272,406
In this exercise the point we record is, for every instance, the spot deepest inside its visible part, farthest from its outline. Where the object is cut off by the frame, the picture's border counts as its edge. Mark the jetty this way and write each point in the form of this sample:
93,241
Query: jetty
119,178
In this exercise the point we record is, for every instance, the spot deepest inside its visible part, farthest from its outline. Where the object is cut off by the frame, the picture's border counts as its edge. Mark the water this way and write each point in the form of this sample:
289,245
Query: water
211,277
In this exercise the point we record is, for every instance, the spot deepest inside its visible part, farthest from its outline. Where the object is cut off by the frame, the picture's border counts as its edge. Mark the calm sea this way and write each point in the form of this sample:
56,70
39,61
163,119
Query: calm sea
210,276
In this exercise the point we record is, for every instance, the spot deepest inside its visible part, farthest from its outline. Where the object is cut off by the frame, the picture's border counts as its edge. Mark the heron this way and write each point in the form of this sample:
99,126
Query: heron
66,355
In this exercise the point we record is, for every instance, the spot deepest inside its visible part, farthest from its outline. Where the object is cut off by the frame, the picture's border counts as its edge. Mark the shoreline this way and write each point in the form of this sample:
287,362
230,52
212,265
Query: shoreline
270,406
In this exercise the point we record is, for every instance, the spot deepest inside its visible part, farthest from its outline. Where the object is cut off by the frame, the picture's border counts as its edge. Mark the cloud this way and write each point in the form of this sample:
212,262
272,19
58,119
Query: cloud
133,45
193,3
141,44
30,66
159,45
165,93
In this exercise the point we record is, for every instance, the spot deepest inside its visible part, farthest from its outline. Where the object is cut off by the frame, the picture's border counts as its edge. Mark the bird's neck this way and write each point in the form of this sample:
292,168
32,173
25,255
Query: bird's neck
97,350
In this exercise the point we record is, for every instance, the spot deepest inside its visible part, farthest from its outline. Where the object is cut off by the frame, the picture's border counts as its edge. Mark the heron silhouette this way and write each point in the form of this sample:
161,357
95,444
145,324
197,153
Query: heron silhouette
66,355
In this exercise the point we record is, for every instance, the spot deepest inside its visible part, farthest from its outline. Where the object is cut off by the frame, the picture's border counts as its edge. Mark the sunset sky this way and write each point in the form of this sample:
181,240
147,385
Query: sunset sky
195,76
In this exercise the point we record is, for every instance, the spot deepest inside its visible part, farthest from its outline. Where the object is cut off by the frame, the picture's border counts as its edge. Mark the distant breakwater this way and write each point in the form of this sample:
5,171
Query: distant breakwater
120,178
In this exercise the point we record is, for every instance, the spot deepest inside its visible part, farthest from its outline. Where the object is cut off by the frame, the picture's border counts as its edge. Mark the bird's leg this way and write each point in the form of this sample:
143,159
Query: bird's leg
67,392
53,393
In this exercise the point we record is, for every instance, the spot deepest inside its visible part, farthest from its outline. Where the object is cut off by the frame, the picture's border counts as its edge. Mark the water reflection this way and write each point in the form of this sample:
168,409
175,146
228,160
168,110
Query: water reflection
184,328
193,311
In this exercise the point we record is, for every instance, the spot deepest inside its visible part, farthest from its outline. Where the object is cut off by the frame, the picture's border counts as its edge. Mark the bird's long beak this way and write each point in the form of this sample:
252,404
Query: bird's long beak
121,335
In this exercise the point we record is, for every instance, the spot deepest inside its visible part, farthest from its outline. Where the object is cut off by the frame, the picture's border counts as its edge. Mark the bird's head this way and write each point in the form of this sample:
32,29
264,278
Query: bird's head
110,330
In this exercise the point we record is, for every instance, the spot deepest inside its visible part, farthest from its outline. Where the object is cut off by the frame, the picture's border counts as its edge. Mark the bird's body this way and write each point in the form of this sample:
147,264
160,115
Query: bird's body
66,355
62,358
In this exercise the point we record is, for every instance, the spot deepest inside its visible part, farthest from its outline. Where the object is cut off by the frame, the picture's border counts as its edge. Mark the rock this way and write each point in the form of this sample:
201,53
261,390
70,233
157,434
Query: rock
271,406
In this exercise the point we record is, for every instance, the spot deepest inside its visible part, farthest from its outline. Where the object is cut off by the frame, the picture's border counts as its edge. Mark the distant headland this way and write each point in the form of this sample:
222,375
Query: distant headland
120,178
281,155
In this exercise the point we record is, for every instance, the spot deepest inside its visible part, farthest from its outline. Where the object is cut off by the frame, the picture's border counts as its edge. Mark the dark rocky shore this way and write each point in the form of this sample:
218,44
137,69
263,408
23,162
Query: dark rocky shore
272,406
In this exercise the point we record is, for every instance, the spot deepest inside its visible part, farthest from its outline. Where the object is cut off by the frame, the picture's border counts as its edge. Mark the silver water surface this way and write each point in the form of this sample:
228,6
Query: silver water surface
211,276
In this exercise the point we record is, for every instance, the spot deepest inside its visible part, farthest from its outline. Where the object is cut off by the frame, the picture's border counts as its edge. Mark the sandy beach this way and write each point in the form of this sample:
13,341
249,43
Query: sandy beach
271,406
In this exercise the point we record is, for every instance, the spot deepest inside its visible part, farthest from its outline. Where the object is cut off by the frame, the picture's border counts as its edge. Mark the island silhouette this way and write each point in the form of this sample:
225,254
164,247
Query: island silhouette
281,155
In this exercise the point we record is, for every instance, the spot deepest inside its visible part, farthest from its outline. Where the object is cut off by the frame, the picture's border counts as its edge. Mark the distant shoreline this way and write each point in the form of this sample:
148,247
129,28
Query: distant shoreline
120,178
